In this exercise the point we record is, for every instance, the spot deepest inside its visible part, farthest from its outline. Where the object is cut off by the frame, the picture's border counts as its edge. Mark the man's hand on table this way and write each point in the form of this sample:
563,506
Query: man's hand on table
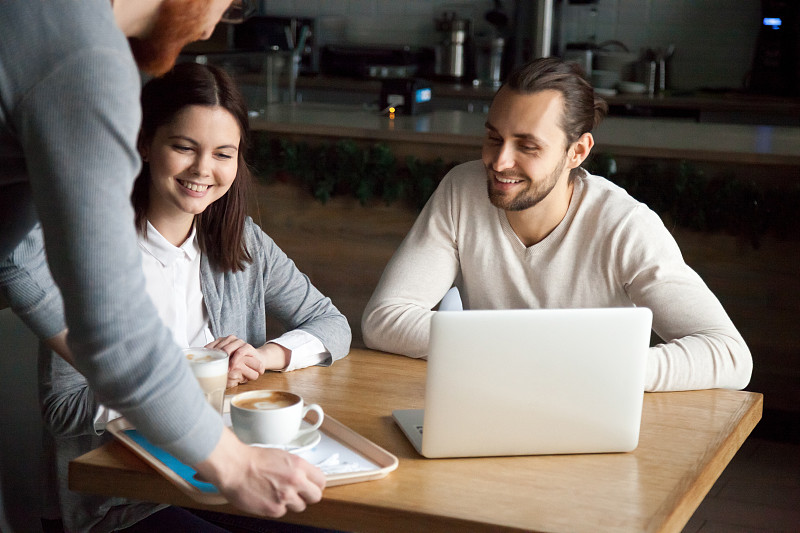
261,481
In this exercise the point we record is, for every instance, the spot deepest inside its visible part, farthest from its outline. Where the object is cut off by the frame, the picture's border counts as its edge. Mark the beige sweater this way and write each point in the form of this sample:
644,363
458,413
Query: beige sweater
609,251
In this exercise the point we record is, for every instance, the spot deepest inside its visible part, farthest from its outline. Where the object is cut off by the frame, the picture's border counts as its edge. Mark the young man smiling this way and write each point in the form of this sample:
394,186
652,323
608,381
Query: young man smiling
550,235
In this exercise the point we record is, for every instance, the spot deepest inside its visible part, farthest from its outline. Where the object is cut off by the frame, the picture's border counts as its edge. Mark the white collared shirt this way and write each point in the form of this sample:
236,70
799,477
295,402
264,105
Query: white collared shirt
172,276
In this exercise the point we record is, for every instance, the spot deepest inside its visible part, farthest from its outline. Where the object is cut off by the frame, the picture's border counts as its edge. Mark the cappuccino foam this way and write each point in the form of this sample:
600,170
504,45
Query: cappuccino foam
206,362
273,400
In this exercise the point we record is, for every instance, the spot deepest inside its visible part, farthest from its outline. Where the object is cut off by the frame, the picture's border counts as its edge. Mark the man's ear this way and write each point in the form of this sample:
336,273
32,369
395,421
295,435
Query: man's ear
579,150
144,152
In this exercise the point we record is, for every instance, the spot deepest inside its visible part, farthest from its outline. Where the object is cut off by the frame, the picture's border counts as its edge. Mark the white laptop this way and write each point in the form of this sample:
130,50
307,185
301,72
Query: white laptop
528,382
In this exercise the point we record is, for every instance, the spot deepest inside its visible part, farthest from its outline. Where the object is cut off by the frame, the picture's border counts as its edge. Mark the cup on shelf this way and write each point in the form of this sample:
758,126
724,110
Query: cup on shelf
604,79
631,87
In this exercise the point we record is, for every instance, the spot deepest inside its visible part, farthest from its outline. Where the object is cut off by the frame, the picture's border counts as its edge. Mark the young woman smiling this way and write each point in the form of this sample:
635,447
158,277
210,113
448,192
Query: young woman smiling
190,200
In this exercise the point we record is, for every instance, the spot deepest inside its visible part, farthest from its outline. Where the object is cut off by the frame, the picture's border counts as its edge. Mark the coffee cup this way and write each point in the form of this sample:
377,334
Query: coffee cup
271,417
210,367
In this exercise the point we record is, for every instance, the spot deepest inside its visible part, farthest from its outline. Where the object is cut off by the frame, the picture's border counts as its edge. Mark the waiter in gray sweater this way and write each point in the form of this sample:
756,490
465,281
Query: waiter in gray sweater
69,117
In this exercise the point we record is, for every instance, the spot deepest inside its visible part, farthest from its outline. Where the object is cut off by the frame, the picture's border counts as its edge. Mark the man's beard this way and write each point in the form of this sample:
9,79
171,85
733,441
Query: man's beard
529,197
178,23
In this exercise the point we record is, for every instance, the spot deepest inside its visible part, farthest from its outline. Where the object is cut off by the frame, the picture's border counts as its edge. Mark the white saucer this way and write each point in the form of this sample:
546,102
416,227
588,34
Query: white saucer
300,444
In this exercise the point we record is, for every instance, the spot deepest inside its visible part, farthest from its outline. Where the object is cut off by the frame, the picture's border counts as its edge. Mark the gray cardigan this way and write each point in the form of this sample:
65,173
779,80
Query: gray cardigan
237,304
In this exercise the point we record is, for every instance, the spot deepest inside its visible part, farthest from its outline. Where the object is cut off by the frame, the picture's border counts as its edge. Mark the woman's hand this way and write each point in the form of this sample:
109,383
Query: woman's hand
247,362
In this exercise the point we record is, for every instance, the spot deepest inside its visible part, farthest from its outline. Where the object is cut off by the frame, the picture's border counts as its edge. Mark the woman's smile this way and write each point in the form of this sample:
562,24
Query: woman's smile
193,187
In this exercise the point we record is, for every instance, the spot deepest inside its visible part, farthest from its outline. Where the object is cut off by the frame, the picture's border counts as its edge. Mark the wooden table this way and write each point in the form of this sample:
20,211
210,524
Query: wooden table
687,439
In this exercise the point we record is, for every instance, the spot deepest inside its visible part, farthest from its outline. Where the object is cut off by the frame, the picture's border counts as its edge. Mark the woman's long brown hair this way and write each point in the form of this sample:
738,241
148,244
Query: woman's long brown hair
220,228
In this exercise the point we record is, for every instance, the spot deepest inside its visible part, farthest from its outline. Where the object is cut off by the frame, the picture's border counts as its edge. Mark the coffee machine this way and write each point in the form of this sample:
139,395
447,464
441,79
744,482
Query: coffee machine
454,52
776,62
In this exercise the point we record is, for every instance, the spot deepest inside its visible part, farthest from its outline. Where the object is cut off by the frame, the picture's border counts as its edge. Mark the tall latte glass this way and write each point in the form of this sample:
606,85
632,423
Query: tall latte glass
210,367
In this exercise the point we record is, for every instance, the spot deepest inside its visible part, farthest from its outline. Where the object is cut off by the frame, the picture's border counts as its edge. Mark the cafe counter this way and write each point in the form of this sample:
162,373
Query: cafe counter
457,135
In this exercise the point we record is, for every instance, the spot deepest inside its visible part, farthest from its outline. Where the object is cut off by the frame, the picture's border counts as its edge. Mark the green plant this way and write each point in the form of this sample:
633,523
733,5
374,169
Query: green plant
365,173
423,179
686,196
347,168
680,192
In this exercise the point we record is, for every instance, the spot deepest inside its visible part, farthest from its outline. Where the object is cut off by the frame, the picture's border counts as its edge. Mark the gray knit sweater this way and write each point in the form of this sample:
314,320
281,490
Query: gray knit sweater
69,116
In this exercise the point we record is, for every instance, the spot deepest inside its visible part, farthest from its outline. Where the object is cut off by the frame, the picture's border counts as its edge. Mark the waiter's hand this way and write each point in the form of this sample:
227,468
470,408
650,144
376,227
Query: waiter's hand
262,481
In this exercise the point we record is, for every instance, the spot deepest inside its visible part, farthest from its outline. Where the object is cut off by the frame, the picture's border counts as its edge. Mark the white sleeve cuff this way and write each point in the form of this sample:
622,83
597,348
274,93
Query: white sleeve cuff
103,416
307,350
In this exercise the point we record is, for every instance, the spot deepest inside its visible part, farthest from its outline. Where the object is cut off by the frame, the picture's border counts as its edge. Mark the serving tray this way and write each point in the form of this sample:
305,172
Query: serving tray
342,454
